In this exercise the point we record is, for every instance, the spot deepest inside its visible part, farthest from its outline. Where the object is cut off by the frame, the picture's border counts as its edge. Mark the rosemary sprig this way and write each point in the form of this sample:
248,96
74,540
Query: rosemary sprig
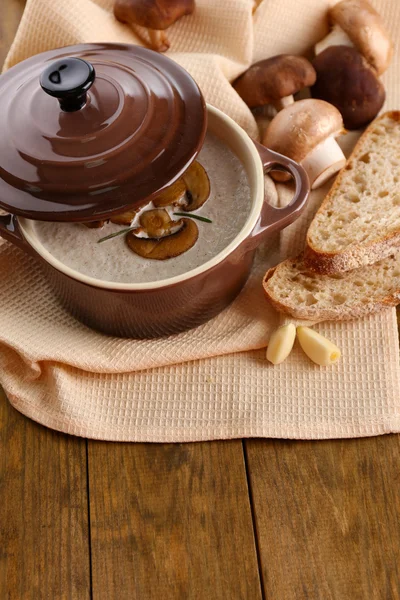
115,234
177,214
185,214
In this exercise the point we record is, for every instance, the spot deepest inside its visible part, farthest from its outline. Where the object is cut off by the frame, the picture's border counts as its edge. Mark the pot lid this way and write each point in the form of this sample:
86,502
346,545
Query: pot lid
88,131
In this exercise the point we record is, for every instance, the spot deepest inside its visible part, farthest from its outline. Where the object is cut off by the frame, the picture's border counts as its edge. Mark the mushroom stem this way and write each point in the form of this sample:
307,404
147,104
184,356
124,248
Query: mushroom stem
323,161
159,40
336,37
283,102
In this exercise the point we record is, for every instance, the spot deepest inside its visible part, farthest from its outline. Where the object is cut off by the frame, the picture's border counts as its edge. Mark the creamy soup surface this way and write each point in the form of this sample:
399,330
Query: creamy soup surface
228,207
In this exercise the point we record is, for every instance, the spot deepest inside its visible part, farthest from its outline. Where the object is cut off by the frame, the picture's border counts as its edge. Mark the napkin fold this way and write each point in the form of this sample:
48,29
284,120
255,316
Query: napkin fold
212,382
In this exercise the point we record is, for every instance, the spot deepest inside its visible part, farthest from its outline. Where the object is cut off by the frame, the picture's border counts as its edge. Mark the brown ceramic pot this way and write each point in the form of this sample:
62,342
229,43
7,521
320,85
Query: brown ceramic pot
144,310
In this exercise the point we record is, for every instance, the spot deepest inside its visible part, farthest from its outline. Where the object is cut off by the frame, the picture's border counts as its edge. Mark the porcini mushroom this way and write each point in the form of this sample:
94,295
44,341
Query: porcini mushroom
154,15
346,80
168,246
356,23
305,131
274,81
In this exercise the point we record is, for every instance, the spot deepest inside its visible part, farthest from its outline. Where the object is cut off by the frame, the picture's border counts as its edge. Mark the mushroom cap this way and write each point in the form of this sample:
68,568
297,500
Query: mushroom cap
165,247
171,194
300,127
364,26
268,80
346,80
152,14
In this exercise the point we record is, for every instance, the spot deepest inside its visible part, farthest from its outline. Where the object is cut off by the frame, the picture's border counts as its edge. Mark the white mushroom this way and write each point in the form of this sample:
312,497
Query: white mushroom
356,23
305,131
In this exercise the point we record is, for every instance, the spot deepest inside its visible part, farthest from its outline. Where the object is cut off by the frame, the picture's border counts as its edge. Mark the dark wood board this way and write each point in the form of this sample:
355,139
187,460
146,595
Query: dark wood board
44,537
171,521
327,517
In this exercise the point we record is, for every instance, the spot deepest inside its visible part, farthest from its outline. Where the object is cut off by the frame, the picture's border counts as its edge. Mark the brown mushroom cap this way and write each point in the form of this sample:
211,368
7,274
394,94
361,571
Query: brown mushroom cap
268,80
165,247
197,185
170,195
190,191
124,218
300,127
364,26
157,223
152,14
346,80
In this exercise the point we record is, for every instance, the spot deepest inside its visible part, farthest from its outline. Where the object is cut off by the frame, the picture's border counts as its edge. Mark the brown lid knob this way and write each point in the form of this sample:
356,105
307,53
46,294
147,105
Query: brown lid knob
91,130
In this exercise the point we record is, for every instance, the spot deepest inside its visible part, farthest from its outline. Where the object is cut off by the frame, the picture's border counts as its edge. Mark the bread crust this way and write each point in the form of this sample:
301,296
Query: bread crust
333,313
355,256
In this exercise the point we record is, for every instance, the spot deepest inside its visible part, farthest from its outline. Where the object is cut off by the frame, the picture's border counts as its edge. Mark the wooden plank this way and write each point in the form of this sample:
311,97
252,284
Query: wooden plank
10,16
172,522
44,537
327,517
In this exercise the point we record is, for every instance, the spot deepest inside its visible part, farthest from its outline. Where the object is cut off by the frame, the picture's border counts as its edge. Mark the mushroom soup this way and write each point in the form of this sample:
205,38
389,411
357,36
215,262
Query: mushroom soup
162,244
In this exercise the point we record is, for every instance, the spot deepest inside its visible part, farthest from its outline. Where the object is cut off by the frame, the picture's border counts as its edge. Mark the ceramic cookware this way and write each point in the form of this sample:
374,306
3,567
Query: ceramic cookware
89,131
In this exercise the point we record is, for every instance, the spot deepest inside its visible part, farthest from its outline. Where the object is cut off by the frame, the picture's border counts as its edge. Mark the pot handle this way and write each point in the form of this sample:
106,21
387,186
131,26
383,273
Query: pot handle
271,218
10,231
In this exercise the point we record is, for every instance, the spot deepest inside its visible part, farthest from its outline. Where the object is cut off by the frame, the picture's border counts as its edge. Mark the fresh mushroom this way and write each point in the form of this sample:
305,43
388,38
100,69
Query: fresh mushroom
274,81
305,131
170,195
154,15
346,80
356,23
165,247
197,185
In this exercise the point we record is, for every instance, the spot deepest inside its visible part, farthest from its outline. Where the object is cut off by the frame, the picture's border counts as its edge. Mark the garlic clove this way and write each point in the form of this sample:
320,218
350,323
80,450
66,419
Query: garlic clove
281,343
317,347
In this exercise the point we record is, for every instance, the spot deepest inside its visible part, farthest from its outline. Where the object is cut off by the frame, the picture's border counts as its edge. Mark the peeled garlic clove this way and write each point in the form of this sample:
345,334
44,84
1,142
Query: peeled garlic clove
281,343
317,347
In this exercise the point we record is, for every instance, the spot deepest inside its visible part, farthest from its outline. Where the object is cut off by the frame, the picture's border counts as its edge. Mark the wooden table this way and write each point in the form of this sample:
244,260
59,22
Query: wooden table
257,519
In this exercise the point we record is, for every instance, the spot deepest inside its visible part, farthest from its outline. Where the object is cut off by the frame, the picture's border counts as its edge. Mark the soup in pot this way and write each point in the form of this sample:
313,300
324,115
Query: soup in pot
161,244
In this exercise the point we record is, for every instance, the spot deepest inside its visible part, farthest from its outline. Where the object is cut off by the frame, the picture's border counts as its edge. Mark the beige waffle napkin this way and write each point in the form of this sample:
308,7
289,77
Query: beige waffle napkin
68,377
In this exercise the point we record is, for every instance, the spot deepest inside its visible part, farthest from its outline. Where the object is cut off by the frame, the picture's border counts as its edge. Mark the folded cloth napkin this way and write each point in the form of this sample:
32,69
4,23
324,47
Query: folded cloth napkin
212,382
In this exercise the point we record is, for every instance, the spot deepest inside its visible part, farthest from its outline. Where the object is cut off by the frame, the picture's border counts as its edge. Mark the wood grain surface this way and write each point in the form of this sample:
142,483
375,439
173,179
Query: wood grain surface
171,521
327,516
98,520
44,537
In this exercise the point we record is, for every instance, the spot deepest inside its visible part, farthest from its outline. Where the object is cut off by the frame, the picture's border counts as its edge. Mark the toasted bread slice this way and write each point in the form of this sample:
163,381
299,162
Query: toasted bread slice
359,221
303,294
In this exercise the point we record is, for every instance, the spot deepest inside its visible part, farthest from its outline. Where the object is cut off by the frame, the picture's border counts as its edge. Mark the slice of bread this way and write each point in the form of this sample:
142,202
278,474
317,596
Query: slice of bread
303,294
358,223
